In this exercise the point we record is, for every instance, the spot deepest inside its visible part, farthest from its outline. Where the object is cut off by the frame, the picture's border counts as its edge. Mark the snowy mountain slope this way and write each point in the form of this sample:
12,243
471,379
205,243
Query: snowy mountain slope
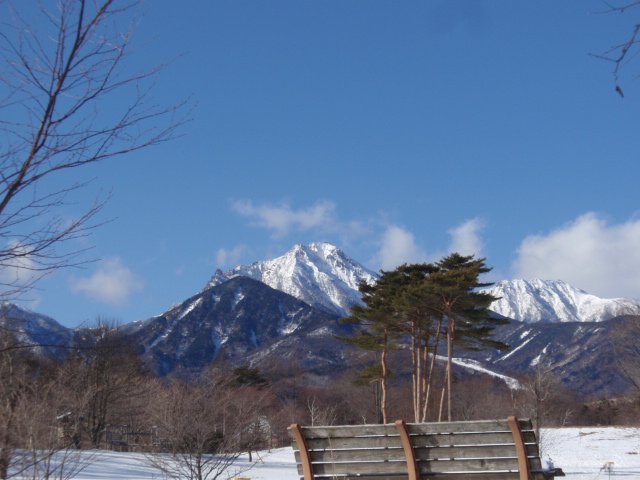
323,276
232,321
580,354
31,328
319,274
555,301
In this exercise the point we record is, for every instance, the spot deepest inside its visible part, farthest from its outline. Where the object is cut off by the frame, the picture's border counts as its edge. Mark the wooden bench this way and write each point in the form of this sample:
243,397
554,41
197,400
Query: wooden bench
479,450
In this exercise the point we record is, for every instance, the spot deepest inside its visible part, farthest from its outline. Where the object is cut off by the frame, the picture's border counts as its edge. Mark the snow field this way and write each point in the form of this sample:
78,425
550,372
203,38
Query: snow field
580,452
584,453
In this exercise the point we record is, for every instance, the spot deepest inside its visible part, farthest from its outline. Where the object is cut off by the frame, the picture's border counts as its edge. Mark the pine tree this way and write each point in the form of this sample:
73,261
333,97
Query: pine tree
424,326
247,376
378,316
455,284
424,303
392,312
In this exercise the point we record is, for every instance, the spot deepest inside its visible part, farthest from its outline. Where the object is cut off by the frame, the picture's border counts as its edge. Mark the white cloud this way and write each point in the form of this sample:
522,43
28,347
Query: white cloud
18,269
587,253
466,240
226,257
398,246
112,283
282,219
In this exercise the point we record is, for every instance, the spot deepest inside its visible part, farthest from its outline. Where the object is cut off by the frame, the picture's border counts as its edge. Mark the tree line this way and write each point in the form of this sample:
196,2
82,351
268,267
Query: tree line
99,395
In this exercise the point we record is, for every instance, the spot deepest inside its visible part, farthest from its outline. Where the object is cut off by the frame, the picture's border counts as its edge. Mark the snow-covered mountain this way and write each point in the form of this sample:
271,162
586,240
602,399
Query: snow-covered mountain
555,301
319,274
31,328
241,320
323,276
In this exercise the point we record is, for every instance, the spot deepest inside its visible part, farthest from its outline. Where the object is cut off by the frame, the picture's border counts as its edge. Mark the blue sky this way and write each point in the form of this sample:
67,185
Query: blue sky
399,131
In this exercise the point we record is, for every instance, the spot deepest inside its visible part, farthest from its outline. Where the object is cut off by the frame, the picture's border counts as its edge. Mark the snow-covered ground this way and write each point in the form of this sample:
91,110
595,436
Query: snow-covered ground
583,453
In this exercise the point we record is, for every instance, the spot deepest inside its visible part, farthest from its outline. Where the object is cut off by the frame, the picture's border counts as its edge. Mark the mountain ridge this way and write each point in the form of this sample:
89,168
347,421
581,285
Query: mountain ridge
228,322
547,301
319,274
45,334
323,276
237,319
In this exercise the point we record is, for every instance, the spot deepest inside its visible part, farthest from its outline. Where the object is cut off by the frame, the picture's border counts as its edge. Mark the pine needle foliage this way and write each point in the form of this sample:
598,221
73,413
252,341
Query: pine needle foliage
420,307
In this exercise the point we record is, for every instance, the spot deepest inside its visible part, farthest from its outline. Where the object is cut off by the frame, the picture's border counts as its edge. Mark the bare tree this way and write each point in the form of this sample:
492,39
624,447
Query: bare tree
32,403
201,430
14,365
47,441
105,377
481,398
543,399
67,100
622,53
321,413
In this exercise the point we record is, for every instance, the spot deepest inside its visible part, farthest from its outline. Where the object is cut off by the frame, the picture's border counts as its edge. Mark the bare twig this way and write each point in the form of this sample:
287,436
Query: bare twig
67,100
622,54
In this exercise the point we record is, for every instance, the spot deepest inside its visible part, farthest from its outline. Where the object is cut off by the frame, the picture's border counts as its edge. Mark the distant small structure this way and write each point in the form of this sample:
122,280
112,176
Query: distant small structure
122,438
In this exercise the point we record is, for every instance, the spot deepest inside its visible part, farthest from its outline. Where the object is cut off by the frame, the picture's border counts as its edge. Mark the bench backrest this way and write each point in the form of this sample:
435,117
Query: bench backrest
478,450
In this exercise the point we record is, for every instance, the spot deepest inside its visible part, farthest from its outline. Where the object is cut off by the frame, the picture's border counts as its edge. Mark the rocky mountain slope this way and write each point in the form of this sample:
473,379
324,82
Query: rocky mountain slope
319,274
555,301
30,328
580,354
233,320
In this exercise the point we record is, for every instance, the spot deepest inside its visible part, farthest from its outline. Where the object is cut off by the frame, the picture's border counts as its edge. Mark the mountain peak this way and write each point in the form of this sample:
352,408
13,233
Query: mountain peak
539,300
319,274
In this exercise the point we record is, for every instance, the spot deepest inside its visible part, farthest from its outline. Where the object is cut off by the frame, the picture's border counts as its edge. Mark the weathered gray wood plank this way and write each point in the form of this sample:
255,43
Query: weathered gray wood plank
481,451
433,453
366,455
476,465
502,438
349,431
490,438
414,428
444,476
458,427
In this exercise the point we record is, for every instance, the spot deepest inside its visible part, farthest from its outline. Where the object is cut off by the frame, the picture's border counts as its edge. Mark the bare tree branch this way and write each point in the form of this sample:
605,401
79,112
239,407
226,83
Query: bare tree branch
67,99
622,54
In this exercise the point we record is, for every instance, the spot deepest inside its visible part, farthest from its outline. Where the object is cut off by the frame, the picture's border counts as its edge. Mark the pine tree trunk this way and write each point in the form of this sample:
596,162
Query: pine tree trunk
413,367
451,332
418,380
425,380
444,389
383,362
432,368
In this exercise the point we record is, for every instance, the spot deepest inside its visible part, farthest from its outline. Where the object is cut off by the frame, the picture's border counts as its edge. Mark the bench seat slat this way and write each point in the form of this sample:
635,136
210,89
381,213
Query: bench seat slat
476,465
443,476
433,453
418,441
414,428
